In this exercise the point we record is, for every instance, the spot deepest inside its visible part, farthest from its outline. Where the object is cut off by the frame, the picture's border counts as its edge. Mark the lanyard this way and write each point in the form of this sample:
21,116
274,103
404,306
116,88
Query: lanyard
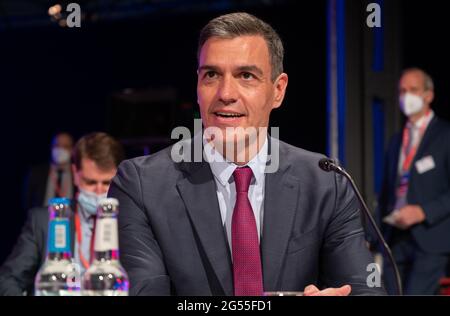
412,152
84,261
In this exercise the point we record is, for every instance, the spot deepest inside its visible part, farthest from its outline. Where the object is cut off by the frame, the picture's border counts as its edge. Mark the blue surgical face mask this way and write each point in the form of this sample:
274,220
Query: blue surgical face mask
89,201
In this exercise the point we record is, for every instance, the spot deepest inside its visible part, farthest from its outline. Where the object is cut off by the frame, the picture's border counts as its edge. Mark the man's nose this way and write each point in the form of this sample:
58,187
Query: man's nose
228,90
100,188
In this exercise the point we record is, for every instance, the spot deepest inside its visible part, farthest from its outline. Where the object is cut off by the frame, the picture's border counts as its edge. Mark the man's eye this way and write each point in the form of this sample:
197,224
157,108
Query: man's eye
247,76
210,74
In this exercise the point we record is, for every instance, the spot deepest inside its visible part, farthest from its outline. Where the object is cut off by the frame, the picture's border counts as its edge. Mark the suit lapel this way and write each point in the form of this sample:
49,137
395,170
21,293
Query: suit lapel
430,134
198,192
72,234
281,194
394,171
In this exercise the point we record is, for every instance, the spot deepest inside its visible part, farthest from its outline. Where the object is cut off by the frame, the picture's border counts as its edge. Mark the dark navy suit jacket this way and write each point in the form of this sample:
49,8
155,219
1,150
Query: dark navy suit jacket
172,240
18,272
430,189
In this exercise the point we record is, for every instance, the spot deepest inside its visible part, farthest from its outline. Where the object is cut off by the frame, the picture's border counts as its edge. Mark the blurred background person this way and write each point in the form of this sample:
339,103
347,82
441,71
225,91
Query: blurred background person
414,203
95,157
53,179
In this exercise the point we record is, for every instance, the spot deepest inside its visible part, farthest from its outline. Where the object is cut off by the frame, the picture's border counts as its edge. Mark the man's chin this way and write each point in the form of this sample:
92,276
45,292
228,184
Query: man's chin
233,146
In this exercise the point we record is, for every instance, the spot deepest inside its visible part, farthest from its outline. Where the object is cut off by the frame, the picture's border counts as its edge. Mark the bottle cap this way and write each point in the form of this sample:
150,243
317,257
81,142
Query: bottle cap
59,200
108,205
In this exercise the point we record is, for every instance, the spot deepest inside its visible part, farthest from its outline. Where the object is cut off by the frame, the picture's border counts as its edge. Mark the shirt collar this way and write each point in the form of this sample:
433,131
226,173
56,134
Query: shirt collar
223,169
425,119
85,217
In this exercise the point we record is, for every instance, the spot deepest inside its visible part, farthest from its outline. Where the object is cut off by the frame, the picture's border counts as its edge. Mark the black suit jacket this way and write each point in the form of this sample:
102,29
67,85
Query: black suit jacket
172,239
430,190
18,272
35,187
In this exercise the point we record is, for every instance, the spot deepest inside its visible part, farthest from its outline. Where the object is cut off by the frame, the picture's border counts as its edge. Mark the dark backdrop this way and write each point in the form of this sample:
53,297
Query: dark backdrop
425,45
56,78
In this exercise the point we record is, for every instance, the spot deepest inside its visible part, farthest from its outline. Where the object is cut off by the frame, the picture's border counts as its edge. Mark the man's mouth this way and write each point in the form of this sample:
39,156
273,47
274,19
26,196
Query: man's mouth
228,114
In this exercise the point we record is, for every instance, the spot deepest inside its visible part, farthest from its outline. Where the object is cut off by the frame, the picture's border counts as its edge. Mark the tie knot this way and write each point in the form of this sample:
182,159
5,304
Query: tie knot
242,178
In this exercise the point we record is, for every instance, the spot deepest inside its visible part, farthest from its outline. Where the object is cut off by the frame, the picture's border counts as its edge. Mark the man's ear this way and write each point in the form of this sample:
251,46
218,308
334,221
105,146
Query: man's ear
76,177
429,96
280,89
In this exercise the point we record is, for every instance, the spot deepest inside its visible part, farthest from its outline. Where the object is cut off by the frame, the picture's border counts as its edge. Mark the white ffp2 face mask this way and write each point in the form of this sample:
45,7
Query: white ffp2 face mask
60,155
411,104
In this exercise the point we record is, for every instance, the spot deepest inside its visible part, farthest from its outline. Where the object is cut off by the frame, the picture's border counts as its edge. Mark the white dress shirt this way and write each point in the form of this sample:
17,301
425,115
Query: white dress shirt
424,121
87,231
222,170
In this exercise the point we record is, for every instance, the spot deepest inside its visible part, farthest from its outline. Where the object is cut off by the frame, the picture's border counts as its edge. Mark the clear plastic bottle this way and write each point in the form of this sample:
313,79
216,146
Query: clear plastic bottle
58,276
106,276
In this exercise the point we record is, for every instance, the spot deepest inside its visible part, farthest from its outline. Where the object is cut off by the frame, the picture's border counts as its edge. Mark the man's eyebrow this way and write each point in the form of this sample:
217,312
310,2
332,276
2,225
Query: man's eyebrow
245,68
251,68
89,180
208,68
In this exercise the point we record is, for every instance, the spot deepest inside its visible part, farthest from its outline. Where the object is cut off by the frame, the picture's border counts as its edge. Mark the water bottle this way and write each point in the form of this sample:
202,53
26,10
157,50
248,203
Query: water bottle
58,276
106,276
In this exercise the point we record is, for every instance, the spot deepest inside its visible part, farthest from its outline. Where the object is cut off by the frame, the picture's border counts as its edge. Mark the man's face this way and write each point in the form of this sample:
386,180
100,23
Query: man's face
92,179
234,86
414,83
63,141
61,149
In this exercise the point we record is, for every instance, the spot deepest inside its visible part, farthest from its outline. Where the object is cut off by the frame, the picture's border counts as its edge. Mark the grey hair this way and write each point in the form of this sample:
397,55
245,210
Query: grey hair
232,25
428,81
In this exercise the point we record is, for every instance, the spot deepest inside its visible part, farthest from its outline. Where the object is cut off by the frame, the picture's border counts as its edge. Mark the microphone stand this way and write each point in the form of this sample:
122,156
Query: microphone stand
329,165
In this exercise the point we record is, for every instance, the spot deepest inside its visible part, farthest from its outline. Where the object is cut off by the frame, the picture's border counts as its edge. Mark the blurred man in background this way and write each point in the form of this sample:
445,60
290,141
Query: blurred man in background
414,203
52,179
95,160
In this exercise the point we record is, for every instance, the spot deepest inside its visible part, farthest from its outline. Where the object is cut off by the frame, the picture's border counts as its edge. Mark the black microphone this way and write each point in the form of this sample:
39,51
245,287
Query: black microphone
328,165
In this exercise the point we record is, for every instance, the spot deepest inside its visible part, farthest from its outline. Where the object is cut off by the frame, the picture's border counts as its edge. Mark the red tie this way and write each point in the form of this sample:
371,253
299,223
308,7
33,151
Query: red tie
247,270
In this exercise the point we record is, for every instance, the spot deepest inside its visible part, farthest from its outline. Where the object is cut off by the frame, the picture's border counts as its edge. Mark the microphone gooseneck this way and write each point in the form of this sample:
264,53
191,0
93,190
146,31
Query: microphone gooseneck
328,165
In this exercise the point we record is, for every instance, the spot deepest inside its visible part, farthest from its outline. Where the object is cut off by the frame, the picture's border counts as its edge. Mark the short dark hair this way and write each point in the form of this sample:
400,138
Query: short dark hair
100,147
62,133
232,25
427,80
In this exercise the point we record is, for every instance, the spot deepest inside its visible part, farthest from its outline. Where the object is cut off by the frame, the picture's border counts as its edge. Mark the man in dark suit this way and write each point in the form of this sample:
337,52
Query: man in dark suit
223,225
415,198
95,160
52,179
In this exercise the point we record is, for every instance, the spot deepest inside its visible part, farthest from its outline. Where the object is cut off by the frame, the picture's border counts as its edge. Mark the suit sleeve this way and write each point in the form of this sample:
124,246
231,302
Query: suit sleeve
140,253
345,258
27,195
438,209
383,196
19,270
